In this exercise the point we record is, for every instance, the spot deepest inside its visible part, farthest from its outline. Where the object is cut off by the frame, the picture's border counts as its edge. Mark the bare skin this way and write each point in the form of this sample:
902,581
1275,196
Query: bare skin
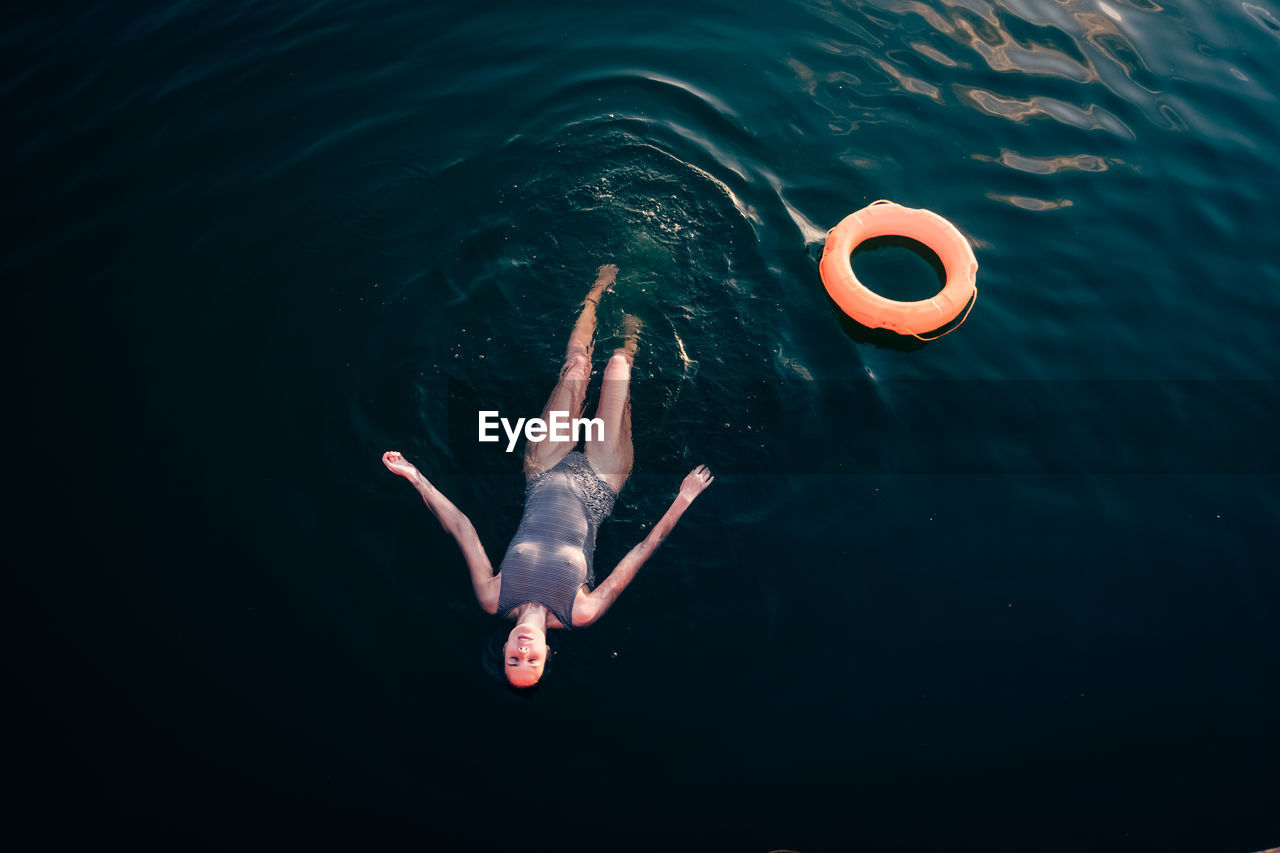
525,651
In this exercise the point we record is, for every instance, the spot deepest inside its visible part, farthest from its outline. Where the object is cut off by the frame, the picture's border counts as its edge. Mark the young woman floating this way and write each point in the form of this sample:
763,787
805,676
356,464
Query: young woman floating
546,578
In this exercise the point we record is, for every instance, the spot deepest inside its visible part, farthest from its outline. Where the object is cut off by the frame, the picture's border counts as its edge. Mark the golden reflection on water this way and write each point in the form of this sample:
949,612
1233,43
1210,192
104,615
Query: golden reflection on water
980,27
908,83
1002,52
930,52
1029,203
1089,53
1049,165
1021,110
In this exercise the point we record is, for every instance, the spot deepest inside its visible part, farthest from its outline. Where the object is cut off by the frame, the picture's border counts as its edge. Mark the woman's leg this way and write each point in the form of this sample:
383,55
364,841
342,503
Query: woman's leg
613,457
570,393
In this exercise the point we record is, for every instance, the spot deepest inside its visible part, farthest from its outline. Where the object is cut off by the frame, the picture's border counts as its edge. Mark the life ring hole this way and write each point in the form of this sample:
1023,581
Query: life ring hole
898,268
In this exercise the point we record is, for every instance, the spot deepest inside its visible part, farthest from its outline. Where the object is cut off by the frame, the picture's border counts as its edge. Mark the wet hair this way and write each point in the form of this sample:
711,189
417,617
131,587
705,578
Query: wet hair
493,658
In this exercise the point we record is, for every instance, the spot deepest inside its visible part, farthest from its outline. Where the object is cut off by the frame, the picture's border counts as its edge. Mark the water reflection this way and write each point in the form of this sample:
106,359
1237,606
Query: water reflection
1027,203
1091,117
1049,165
1123,55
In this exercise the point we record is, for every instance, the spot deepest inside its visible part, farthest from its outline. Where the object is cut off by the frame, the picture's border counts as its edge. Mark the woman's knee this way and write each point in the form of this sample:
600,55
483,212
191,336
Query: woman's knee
619,366
577,365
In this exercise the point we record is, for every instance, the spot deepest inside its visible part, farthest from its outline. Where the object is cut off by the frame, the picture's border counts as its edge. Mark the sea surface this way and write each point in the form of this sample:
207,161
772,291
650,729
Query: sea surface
1013,589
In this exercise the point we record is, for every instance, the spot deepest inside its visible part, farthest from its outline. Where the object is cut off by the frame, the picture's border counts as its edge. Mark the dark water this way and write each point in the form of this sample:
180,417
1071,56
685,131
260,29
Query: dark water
1015,589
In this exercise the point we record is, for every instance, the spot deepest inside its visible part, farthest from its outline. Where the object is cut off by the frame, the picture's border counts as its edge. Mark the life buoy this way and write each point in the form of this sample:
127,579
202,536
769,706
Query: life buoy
886,219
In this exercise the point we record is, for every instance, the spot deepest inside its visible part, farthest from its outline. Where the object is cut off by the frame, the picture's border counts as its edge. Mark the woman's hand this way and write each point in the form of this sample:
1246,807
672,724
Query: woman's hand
397,464
696,483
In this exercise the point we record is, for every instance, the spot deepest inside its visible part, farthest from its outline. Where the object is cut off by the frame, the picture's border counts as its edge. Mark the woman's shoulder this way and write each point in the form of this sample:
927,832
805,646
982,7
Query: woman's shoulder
584,608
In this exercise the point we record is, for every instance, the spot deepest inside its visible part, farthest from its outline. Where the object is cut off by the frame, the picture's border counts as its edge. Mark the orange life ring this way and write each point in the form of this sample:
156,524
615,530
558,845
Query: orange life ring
885,219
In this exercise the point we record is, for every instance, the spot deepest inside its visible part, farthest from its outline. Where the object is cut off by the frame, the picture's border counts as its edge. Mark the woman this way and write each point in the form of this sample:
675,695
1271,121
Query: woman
546,577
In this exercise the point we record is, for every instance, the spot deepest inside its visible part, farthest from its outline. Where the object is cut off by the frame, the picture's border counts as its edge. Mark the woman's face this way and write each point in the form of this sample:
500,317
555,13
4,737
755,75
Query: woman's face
523,655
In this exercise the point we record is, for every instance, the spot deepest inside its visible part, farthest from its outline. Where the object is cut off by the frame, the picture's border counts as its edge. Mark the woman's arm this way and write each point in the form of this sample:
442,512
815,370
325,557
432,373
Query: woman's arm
483,580
602,598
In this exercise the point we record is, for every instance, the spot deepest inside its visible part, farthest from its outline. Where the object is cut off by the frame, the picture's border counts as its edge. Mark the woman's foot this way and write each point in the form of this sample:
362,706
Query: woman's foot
606,274
397,464
605,277
631,334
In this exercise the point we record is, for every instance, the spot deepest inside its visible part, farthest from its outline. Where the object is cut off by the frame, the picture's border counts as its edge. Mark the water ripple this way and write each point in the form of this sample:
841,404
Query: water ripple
1050,165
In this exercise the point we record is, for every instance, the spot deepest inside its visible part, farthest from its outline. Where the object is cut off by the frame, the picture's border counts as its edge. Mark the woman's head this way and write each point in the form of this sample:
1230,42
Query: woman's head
524,655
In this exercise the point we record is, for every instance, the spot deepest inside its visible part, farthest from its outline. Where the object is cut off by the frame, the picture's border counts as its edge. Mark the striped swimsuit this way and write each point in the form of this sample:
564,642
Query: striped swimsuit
550,556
